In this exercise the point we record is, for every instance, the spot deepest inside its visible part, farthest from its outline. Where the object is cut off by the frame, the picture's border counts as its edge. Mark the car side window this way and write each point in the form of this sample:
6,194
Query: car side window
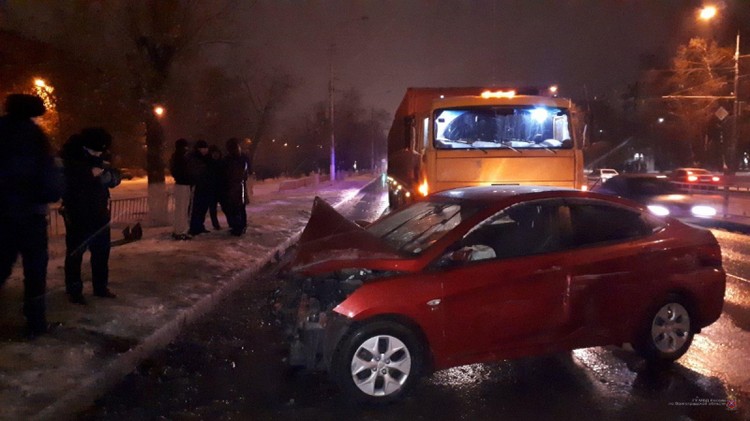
594,223
520,230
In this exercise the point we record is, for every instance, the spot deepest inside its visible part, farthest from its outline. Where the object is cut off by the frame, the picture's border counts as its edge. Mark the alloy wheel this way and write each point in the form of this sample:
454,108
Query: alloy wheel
381,365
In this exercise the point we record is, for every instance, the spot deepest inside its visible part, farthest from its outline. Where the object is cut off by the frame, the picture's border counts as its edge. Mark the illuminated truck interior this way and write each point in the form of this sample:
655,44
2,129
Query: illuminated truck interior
494,127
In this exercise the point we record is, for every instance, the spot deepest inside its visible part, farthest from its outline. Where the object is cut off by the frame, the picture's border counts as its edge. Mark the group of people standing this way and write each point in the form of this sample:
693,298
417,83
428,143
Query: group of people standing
205,178
30,179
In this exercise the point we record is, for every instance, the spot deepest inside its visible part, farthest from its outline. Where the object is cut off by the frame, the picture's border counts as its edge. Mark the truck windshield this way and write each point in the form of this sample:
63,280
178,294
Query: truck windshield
516,127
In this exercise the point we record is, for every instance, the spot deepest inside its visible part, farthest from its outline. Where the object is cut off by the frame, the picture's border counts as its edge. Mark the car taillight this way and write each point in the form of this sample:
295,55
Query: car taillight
715,179
710,256
692,178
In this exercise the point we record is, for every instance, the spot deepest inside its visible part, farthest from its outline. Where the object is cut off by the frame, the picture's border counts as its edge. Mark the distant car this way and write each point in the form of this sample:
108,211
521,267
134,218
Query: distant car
604,173
661,196
480,274
695,176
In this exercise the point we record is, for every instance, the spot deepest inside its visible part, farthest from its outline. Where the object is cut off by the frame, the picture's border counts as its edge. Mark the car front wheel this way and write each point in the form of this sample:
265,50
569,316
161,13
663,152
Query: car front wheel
378,363
669,332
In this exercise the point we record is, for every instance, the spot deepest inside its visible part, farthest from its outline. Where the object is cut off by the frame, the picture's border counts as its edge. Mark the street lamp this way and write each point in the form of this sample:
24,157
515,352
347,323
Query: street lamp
44,91
159,110
707,13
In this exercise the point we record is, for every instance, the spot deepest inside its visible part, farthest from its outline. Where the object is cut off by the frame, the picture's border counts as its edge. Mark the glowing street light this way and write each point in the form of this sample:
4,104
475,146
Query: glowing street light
44,91
159,110
707,12
553,90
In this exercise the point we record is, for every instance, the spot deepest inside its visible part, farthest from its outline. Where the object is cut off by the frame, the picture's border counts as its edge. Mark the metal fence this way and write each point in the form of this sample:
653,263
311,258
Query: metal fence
123,211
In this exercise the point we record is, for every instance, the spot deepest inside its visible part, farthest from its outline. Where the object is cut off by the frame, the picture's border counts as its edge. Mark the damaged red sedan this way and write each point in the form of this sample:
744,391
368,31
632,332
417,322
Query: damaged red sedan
481,274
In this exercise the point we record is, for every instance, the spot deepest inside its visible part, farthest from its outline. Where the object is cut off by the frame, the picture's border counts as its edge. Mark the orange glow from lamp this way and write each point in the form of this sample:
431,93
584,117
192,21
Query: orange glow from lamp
159,110
708,12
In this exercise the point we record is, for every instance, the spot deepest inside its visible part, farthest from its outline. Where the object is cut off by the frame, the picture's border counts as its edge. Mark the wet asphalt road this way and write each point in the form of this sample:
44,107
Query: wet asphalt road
230,366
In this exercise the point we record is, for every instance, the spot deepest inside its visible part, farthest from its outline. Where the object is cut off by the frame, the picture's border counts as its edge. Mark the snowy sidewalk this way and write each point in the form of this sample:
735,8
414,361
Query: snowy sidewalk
161,285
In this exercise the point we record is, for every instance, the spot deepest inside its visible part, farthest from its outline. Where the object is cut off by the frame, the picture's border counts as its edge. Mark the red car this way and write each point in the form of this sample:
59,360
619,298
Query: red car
695,176
480,274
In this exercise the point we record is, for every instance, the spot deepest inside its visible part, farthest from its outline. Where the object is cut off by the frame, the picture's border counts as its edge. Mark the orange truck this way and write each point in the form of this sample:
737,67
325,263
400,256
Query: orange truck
443,138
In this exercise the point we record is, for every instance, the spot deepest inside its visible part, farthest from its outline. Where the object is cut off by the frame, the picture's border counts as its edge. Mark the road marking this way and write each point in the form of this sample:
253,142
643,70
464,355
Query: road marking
739,278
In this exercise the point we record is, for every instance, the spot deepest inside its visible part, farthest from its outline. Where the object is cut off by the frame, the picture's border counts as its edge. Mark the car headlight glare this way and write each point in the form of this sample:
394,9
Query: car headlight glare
658,210
703,211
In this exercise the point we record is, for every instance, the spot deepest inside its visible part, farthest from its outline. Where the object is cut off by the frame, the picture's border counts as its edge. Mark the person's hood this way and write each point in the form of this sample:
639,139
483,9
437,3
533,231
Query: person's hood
332,241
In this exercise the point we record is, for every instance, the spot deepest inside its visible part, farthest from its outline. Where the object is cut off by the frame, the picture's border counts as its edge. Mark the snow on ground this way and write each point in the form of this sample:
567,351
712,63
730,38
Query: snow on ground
161,283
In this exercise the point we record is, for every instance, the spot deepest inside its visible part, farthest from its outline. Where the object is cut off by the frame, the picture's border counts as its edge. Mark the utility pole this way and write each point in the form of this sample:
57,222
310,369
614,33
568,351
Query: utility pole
732,146
330,117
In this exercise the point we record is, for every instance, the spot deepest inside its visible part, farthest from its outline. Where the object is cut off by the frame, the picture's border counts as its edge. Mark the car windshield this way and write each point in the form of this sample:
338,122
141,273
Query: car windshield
502,127
651,186
418,226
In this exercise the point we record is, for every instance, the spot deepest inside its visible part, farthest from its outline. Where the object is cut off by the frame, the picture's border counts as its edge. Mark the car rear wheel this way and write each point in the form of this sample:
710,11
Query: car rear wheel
668,333
378,363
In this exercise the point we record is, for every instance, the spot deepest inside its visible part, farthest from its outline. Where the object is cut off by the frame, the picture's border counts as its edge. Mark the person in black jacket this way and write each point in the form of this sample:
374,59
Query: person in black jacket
198,163
88,178
182,191
216,182
236,171
29,180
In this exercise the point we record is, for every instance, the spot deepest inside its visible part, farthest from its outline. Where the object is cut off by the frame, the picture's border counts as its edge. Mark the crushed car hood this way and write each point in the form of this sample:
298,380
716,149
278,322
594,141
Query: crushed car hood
329,236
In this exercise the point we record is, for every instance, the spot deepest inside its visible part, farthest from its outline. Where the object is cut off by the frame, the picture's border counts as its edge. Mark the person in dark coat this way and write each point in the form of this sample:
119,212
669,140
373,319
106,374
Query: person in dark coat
198,162
215,173
236,171
182,191
29,181
88,178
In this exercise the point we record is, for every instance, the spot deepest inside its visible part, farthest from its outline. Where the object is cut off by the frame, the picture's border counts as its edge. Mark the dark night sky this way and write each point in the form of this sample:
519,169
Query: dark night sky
383,47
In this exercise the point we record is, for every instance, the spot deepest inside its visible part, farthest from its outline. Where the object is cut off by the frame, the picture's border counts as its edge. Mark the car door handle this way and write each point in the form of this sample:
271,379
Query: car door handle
434,303
554,268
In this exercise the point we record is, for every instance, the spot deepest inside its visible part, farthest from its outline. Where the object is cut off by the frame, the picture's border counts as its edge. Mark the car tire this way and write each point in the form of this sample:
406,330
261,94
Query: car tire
378,362
667,331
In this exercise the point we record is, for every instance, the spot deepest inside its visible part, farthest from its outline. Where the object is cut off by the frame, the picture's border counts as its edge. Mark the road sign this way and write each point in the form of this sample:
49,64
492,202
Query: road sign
721,113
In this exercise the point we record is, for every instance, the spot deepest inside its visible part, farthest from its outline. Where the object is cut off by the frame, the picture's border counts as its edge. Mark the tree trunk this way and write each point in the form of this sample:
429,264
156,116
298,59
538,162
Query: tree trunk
157,191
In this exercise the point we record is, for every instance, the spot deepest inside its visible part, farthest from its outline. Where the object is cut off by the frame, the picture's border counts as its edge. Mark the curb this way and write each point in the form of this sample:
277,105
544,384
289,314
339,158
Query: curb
69,405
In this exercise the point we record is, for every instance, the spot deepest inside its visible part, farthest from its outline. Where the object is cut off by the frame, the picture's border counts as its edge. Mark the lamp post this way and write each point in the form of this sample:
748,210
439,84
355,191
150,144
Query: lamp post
330,118
732,147
707,13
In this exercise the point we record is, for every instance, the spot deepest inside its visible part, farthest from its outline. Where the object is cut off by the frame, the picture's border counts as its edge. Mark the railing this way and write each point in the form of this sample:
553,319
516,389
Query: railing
123,211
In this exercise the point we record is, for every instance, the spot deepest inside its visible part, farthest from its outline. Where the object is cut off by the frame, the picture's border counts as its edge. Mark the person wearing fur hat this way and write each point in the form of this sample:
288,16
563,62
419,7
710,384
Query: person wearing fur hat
88,178
29,181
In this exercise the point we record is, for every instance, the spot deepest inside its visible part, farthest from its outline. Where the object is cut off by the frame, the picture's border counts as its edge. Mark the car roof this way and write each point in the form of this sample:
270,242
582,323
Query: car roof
494,192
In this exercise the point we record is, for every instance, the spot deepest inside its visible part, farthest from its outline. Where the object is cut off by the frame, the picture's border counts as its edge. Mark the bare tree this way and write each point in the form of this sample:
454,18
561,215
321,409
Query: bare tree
266,94
697,87
161,33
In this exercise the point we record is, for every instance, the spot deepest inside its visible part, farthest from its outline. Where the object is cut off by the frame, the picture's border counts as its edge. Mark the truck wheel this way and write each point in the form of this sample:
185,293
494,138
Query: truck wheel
668,331
378,363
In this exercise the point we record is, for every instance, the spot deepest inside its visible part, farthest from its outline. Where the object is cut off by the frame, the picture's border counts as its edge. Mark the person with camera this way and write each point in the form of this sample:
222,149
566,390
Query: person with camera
88,178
